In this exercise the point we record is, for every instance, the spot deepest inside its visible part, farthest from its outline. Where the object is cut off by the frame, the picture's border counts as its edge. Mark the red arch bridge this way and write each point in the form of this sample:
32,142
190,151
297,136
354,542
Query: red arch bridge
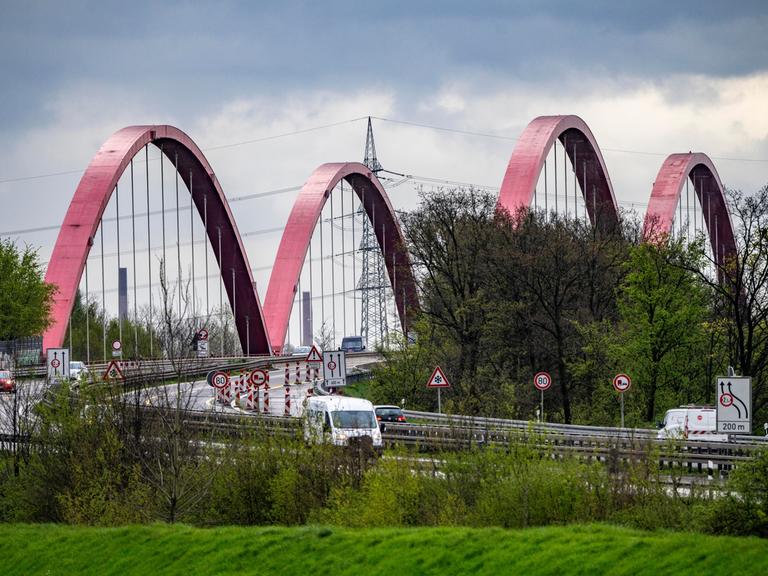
556,166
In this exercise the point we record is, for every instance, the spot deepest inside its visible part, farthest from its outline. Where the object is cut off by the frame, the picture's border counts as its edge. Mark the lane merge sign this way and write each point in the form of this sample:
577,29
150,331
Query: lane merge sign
258,377
218,379
622,382
314,356
734,405
58,363
335,368
542,380
438,379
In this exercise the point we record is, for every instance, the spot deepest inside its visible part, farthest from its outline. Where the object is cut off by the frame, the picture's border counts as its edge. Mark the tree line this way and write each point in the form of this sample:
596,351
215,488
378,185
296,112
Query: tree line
504,296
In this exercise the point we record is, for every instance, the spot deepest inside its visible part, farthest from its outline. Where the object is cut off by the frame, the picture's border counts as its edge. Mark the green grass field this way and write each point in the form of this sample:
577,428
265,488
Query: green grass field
169,550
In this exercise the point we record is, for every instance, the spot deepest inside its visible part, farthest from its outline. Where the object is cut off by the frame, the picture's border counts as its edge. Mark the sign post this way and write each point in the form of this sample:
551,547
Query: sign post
542,381
258,378
622,383
314,360
439,381
734,404
202,343
335,368
58,364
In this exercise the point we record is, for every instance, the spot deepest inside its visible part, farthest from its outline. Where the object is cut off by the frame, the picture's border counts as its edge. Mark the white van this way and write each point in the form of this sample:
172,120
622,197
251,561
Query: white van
336,419
701,422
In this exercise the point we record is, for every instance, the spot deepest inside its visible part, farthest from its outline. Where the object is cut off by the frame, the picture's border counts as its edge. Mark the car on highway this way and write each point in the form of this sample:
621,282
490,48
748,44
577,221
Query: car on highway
78,370
352,344
7,381
340,420
389,413
301,351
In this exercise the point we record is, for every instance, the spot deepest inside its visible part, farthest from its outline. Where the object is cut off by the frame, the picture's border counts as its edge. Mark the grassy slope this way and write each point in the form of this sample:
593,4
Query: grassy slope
169,550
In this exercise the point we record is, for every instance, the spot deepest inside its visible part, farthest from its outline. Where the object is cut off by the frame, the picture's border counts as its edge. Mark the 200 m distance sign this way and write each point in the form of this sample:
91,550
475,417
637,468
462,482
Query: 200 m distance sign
542,380
734,405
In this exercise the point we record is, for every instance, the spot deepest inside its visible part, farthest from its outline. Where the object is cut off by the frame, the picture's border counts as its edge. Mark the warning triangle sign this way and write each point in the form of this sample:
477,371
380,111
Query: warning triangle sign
314,355
438,379
113,371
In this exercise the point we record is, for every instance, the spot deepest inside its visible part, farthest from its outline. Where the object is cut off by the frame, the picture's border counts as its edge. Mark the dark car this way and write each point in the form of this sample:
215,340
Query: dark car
389,414
7,381
352,344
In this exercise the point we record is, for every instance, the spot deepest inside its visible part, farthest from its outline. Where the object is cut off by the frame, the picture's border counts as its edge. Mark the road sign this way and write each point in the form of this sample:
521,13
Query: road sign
335,368
734,405
257,377
622,382
542,380
218,379
202,334
314,355
117,348
202,348
438,379
113,371
58,364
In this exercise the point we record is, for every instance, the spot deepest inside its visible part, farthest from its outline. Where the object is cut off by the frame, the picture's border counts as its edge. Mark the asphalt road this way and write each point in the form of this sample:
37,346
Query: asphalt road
197,395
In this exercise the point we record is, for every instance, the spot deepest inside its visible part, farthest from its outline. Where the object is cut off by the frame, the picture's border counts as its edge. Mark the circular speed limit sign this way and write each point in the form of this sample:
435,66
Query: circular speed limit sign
542,380
218,379
622,382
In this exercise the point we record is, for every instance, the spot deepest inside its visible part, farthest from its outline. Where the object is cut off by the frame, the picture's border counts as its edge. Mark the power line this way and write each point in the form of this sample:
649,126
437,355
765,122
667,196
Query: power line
445,129
210,148
383,119
502,137
242,198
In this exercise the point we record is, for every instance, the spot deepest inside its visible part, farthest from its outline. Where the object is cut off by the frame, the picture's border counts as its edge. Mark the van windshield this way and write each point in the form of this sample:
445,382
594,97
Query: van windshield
353,419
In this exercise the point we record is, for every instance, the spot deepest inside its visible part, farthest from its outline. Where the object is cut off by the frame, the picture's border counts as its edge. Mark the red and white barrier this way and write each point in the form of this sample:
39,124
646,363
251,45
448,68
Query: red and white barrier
249,403
266,397
287,400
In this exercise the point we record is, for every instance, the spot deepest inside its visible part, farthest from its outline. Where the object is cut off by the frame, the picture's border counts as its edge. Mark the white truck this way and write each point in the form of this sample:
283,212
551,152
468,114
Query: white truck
337,419
693,423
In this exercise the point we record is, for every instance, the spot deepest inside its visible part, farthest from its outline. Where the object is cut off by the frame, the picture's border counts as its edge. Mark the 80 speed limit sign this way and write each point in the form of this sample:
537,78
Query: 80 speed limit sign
542,380
218,379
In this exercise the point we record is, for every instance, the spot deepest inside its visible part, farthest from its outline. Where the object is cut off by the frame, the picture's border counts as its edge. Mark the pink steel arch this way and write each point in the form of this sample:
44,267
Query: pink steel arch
90,200
666,193
286,271
527,160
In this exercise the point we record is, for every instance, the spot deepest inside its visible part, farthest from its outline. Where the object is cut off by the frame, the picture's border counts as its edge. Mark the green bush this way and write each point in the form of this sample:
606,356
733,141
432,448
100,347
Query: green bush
743,508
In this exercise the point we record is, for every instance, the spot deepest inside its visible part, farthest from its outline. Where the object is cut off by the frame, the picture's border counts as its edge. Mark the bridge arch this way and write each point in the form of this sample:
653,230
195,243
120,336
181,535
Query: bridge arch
666,194
93,193
530,153
286,271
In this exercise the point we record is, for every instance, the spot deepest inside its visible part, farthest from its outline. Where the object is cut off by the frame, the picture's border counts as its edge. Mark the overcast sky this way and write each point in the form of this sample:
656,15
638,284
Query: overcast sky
650,78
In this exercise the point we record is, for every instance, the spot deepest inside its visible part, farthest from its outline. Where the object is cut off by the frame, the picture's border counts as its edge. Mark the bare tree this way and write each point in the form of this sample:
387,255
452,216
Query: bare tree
174,456
740,288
